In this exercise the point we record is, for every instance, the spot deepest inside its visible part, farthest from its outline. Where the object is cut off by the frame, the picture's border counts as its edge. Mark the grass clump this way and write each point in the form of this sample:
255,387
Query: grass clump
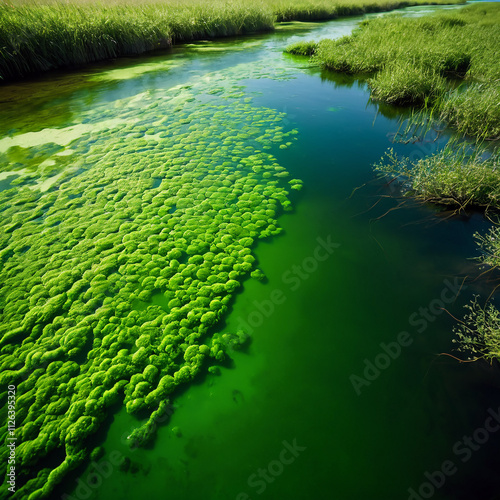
459,177
479,332
490,247
447,61
307,48
406,84
36,37
474,111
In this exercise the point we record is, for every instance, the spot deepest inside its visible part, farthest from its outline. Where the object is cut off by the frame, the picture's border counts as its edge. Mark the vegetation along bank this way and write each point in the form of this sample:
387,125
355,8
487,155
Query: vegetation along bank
446,66
36,37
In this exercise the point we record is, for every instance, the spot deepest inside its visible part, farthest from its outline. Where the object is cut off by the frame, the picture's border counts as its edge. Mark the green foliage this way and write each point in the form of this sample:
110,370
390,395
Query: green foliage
39,37
419,61
490,247
475,111
457,176
461,176
406,84
479,332
318,10
307,48
36,37
347,56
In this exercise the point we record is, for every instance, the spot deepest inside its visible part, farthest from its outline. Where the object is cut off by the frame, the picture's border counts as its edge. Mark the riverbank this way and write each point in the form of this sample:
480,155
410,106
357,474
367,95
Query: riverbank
446,66
35,38
423,62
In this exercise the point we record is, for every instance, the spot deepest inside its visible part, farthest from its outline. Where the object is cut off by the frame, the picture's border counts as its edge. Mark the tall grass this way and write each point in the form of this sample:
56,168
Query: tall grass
36,38
459,176
48,34
479,332
407,84
475,111
316,10
422,61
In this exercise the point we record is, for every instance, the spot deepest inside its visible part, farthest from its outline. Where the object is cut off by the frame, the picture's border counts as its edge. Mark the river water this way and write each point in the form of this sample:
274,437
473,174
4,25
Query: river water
340,391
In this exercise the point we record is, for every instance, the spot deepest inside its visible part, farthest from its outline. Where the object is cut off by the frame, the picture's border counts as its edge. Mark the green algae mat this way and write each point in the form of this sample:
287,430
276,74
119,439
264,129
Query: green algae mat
179,319
161,195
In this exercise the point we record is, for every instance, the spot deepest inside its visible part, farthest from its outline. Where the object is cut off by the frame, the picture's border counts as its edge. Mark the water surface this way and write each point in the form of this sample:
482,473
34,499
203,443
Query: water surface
296,414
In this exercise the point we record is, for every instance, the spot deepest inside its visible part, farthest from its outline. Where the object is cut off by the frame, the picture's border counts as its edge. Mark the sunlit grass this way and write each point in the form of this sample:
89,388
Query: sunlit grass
458,176
37,36
422,61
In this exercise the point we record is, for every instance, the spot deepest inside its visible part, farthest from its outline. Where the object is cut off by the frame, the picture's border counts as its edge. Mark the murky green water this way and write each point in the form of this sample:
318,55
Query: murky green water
322,402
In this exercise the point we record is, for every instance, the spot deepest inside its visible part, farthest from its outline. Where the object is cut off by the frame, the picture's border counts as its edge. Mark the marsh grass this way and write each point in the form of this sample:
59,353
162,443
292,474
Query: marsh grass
422,62
479,332
406,84
302,48
475,111
459,176
39,36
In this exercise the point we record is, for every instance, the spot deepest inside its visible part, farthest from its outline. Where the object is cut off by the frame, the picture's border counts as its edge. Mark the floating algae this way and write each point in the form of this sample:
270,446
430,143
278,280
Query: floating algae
60,137
114,276
220,46
139,69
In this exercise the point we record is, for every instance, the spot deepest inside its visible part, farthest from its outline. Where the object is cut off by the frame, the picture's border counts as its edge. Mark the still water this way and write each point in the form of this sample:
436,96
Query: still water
340,391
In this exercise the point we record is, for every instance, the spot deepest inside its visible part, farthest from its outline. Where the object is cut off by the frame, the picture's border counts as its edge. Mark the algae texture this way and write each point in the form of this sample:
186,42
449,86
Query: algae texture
121,255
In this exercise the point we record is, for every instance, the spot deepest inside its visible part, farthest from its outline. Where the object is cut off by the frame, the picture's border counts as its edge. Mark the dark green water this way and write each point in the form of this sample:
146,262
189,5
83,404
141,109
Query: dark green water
349,274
